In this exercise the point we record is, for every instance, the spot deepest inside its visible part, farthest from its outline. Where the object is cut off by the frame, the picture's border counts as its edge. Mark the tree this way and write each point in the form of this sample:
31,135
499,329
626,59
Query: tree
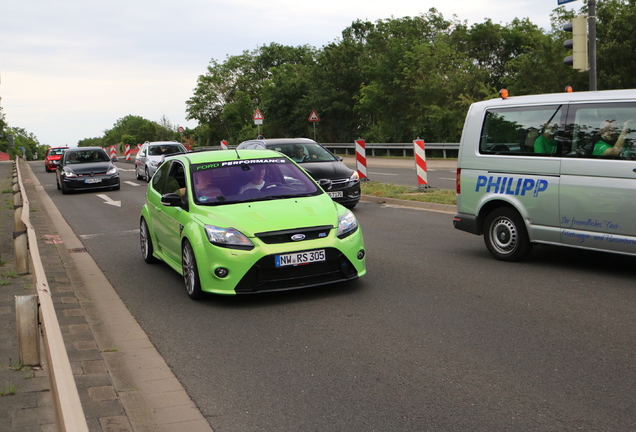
616,44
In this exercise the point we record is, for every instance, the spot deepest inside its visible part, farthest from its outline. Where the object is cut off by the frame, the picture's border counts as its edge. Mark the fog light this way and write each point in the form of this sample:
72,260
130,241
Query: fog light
361,254
221,272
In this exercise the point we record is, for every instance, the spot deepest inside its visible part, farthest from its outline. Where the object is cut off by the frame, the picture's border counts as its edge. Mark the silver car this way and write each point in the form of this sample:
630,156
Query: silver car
151,155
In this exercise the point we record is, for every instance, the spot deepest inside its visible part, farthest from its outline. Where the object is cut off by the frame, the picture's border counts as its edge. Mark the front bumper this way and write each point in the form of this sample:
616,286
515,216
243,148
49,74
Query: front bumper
91,183
255,271
350,193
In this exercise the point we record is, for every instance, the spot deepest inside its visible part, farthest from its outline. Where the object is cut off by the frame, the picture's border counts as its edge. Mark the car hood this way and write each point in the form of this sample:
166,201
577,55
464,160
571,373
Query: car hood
265,216
87,168
327,170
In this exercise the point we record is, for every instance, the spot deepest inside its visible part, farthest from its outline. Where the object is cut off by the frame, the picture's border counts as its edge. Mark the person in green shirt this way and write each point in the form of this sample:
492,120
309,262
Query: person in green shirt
546,143
611,142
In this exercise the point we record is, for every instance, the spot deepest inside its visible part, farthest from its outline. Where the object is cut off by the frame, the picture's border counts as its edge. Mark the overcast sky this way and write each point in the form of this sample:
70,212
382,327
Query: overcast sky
69,69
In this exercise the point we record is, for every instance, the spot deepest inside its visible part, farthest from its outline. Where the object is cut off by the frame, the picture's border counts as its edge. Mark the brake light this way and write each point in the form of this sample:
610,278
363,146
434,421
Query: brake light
457,185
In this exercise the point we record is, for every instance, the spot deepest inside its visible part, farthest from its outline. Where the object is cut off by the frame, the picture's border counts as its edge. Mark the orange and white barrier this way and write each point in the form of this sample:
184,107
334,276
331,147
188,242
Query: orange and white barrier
361,160
420,163
127,152
223,145
113,152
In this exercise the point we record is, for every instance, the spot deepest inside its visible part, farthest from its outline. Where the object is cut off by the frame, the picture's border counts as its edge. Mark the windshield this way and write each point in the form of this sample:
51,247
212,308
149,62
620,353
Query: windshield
304,152
86,156
250,180
165,149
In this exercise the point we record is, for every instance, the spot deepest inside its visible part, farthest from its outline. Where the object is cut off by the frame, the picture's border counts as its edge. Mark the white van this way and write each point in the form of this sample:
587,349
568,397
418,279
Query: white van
556,169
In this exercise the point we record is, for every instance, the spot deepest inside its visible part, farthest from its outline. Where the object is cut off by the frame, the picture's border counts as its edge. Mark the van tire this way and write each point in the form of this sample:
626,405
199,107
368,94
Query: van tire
505,235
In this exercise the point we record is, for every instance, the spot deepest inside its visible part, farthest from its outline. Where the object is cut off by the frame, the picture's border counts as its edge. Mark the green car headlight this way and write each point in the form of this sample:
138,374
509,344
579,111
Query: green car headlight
227,237
347,224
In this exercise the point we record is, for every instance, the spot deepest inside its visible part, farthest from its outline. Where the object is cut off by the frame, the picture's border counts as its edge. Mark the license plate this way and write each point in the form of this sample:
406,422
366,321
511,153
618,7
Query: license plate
92,180
336,194
298,258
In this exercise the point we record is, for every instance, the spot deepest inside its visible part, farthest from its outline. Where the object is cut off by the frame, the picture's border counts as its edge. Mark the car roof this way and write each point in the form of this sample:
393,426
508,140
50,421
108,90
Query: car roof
153,143
225,155
74,149
276,141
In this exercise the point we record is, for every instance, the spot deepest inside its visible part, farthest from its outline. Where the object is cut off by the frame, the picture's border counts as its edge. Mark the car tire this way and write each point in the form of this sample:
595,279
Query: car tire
505,235
191,272
147,176
57,183
146,243
139,176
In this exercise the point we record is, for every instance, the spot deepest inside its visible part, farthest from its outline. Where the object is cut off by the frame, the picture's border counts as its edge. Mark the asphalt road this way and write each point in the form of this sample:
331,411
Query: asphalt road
437,336
440,174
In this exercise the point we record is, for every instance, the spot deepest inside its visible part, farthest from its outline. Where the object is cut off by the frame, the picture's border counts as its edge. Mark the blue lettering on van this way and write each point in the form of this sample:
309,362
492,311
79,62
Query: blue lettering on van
510,185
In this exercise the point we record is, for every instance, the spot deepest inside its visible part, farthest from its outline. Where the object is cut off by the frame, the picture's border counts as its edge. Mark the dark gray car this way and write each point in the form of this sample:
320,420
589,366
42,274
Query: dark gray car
319,162
84,168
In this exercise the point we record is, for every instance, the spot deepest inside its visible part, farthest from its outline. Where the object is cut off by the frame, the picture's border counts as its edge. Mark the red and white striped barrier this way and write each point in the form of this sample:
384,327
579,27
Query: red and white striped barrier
223,145
127,152
361,160
113,152
420,163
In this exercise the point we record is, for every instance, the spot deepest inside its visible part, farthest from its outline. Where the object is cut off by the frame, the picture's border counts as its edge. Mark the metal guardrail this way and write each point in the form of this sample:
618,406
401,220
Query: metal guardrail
69,413
405,148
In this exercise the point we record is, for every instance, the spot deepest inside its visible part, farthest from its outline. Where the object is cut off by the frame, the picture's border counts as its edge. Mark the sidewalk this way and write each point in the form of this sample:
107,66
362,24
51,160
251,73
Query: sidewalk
123,383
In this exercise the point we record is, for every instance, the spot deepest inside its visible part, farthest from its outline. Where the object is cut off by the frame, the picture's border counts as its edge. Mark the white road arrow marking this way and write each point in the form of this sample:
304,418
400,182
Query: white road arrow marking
108,200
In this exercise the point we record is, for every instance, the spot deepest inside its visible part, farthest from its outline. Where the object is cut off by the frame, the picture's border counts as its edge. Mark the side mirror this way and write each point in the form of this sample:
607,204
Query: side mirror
340,158
114,159
171,200
325,184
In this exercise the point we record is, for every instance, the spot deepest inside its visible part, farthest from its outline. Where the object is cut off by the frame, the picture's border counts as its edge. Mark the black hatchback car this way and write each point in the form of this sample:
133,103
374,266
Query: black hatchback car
319,162
84,168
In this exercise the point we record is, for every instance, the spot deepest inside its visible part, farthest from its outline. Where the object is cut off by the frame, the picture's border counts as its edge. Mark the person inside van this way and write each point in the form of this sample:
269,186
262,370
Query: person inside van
611,142
546,143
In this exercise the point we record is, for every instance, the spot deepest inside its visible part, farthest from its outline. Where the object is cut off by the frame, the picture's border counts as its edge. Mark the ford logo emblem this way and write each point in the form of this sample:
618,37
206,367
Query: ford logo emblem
298,237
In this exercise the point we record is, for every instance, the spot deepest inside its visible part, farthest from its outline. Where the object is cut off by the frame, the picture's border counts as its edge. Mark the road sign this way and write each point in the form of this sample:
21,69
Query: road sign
258,117
313,117
180,129
560,2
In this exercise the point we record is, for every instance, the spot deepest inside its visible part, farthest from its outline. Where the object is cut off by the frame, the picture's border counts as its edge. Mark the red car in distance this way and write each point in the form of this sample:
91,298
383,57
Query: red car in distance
52,158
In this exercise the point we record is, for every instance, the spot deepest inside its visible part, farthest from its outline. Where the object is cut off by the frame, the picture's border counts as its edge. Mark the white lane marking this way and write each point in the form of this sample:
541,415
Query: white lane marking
108,200
132,183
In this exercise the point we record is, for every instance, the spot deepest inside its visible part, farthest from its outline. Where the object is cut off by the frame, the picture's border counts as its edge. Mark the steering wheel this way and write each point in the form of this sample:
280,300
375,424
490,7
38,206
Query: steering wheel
273,185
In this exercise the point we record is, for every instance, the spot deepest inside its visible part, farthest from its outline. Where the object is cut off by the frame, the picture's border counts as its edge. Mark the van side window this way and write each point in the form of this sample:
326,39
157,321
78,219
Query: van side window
605,130
523,131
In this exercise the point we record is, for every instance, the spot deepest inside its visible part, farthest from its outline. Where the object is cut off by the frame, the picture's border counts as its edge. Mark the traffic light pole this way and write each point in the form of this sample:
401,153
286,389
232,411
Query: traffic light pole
591,5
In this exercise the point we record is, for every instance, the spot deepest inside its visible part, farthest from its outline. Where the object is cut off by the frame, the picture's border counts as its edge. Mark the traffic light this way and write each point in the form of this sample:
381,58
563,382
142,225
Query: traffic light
578,43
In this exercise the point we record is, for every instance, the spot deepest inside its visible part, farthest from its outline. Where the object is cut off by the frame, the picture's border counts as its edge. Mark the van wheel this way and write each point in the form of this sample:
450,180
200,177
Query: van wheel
505,235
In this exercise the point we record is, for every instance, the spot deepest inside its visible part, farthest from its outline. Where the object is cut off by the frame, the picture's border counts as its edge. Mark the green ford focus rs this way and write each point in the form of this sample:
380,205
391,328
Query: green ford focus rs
247,221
